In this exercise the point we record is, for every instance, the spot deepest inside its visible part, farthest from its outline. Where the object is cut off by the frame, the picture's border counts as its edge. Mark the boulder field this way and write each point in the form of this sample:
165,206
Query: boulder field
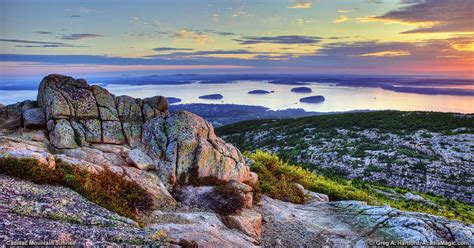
166,153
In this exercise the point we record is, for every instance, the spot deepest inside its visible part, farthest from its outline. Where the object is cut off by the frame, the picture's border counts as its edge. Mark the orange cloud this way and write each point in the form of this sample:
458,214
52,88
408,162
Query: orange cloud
366,19
301,5
187,34
431,16
469,47
228,56
341,19
386,54
345,10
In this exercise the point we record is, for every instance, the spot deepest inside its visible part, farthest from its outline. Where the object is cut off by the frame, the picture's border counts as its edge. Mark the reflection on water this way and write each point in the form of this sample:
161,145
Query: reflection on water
337,98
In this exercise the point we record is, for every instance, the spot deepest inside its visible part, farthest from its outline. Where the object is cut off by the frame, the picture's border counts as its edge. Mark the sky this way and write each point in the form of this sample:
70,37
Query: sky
140,37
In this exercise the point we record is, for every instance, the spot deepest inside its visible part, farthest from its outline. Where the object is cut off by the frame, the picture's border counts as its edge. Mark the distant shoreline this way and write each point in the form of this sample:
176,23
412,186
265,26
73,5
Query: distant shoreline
427,96
402,84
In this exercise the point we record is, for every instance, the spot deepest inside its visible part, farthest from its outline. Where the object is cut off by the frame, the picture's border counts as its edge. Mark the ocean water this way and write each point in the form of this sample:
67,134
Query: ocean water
338,98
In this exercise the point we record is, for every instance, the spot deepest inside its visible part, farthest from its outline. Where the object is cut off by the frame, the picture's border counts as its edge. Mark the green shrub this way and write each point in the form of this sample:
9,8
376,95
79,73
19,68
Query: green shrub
105,188
443,206
409,152
277,177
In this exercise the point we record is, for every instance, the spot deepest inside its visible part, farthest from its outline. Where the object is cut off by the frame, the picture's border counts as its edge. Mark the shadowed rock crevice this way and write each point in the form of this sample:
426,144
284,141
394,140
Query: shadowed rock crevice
101,115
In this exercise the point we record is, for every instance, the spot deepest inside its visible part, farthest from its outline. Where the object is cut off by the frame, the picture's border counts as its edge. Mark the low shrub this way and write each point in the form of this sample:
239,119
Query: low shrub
441,206
113,192
105,188
29,169
228,200
277,180
188,244
203,181
223,200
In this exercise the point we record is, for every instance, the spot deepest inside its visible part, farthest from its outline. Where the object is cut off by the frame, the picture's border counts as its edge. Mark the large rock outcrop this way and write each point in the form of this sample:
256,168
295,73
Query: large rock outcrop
138,138
80,114
184,143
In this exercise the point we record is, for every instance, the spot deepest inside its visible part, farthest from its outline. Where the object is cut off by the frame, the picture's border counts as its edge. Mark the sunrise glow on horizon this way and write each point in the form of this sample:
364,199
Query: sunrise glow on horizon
376,37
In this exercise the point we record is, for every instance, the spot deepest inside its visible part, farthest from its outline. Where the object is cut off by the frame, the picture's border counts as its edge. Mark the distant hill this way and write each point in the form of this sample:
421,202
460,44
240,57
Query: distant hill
407,84
225,114
422,151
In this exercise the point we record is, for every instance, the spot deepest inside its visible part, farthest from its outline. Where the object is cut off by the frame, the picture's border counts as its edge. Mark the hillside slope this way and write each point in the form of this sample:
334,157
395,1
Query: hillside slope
421,151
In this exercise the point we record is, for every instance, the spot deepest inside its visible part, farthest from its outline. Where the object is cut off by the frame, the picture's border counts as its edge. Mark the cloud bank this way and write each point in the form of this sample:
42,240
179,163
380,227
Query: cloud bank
432,16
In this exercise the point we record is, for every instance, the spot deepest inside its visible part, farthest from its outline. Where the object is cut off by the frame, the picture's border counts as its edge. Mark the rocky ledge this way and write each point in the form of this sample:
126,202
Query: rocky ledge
354,224
42,213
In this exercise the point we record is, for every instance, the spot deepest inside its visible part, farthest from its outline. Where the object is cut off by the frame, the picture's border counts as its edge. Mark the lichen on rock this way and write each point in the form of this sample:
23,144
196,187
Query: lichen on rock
185,142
